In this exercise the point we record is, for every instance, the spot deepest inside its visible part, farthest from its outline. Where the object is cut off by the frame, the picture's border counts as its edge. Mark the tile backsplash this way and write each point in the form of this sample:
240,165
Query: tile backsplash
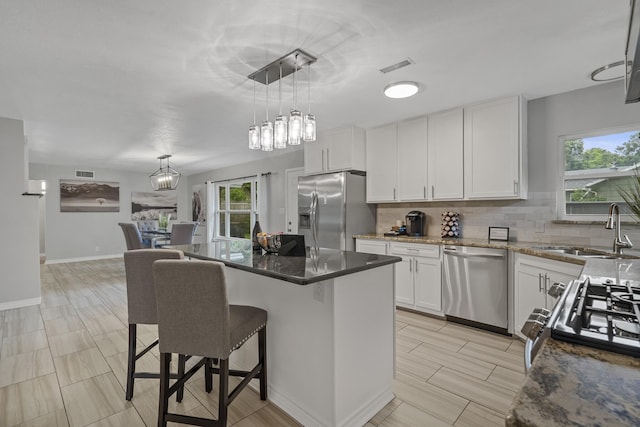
520,216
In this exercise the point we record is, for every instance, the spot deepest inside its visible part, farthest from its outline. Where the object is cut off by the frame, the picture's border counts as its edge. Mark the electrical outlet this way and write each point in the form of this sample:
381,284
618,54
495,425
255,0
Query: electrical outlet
539,226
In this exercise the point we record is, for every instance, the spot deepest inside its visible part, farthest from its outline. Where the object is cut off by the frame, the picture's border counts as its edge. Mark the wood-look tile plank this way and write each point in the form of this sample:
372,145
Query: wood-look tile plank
416,366
113,342
270,415
505,359
70,342
455,361
433,400
22,326
468,333
22,313
405,344
53,419
516,347
25,366
486,394
50,313
507,378
129,418
384,412
406,415
476,415
81,365
29,400
24,343
103,324
432,338
147,363
420,320
63,325
93,399
145,400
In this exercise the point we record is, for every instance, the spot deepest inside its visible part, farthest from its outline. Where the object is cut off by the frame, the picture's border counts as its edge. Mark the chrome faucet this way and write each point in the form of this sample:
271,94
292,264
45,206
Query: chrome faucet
618,243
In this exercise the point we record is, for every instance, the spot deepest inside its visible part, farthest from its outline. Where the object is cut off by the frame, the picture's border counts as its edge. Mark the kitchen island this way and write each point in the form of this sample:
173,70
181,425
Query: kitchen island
330,336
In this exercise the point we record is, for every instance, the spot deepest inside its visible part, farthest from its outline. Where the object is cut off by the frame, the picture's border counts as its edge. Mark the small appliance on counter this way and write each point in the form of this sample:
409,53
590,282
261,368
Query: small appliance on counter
416,223
397,230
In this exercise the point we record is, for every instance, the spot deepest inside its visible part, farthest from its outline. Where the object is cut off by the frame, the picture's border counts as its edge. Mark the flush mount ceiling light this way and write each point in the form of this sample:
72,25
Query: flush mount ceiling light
401,89
165,178
608,72
284,130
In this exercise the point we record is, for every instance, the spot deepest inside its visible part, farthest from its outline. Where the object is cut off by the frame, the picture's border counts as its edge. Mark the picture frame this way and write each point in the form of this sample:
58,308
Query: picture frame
89,196
499,233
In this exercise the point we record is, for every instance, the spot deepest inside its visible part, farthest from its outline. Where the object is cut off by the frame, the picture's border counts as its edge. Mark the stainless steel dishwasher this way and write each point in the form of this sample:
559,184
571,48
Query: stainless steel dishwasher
475,287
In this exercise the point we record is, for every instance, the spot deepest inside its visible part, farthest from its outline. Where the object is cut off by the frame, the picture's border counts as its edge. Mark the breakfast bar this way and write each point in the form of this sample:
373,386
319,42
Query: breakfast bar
330,339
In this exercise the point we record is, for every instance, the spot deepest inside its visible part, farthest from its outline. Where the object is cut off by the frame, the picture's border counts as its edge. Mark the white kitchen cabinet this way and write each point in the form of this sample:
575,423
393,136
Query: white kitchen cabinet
532,278
495,149
418,277
378,247
445,155
336,150
397,162
382,164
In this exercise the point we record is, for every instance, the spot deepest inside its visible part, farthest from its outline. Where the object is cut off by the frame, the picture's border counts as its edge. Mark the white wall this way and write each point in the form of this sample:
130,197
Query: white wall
580,111
19,259
76,235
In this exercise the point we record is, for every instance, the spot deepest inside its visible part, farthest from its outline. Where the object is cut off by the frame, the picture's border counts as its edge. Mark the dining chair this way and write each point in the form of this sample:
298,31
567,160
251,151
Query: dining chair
141,306
181,233
147,226
195,317
132,235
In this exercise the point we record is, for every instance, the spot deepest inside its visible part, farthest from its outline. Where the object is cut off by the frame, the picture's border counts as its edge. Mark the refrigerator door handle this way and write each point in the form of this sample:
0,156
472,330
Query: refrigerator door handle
313,217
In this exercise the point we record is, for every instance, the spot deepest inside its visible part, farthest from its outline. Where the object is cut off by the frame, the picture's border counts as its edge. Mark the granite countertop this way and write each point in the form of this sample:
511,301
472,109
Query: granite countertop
574,385
528,248
317,265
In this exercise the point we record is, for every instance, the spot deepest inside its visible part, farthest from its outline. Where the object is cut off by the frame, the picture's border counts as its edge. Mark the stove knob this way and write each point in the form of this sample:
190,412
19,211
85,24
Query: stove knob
556,289
542,311
534,324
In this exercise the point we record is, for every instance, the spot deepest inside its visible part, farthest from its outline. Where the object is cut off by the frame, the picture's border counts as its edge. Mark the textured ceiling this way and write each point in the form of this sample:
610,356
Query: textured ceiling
114,84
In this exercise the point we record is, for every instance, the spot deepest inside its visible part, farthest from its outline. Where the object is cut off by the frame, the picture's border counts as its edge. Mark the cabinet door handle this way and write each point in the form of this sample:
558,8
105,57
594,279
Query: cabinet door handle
322,166
416,265
328,161
410,266
394,194
515,186
540,288
424,192
433,190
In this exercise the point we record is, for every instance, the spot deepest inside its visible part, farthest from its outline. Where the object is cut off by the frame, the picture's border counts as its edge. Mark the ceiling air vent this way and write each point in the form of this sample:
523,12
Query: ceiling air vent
393,67
85,174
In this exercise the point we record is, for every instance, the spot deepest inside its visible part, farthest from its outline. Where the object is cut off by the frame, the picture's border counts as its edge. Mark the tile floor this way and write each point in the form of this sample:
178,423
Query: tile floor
63,363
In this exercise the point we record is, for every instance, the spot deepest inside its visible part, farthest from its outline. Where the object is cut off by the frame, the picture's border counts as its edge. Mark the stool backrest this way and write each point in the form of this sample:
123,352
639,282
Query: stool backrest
132,236
182,233
193,310
141,292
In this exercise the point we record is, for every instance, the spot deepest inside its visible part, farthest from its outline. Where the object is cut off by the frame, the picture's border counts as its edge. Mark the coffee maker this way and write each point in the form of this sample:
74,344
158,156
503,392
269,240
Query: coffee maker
416,223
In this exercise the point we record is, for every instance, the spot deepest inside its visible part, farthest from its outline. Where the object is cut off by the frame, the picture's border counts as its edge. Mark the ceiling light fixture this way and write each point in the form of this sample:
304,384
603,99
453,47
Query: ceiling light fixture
309,133
165,178
254,130
401,89
284,130
609,75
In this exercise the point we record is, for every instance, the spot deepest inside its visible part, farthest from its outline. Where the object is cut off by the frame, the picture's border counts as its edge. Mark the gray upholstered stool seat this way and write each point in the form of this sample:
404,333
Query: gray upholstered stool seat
141,305
194,317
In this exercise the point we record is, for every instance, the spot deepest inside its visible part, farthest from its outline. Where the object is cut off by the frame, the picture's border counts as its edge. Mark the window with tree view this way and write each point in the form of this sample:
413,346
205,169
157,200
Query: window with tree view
236,208
597,170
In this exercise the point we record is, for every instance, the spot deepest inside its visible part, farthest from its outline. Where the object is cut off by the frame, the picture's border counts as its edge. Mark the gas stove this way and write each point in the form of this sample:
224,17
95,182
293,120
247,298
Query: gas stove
599,312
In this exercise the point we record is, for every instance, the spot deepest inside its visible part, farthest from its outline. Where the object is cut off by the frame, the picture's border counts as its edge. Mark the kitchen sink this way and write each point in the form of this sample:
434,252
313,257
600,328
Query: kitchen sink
576,251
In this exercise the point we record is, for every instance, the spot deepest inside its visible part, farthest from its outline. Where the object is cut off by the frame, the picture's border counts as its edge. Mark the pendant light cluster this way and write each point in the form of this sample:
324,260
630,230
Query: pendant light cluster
285,130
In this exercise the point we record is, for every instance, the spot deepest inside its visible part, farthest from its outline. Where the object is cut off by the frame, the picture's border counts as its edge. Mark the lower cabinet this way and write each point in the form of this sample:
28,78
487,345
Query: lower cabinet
532,278
378,247
418,276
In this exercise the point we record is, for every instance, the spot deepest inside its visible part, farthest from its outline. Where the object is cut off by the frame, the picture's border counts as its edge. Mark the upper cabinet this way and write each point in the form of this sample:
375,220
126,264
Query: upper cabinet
397,162
446,165
336,150
475,152
495,149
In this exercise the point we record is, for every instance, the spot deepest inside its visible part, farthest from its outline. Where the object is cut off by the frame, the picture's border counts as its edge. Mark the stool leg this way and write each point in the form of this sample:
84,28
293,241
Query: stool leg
163,400
208,376
181,363
223,390
131,361
262,357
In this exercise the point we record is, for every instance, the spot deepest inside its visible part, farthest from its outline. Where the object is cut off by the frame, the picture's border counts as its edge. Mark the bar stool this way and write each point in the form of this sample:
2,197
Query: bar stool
141,304
195,317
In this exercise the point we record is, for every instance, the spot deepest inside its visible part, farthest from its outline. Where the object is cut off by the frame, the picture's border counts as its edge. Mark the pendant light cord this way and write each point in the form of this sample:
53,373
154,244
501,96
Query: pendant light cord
267,102
309,81
254,101
295,86
280,89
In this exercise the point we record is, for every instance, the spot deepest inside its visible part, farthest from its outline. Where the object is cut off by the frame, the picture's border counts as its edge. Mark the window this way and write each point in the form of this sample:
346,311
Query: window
596,168
236,208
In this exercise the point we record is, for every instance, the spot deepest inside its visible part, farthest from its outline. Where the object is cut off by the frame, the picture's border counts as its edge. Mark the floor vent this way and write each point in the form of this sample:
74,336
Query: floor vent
393,67
85,174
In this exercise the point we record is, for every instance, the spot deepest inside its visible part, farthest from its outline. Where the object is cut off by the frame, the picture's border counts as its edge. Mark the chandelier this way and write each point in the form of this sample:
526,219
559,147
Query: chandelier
165,178
285,130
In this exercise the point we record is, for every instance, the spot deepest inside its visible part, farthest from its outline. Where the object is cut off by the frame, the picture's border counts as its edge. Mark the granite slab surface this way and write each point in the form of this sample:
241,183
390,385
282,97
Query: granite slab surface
317,265
574,385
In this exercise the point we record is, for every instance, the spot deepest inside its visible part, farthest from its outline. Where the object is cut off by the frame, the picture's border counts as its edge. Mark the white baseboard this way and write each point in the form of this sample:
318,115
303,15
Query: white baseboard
19,303
88,258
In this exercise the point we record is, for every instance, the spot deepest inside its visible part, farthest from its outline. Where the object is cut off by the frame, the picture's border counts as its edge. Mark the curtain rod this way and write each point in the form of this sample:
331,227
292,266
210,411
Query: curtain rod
243,177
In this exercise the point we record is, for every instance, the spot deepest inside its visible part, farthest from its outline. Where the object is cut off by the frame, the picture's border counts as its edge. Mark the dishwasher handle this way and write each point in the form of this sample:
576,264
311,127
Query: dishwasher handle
471,255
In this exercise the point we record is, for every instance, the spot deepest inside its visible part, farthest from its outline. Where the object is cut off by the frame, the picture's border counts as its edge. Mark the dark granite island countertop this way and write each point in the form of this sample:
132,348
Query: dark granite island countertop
318,264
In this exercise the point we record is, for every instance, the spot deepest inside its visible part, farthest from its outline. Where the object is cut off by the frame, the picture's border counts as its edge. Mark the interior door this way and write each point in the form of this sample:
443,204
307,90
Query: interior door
291,200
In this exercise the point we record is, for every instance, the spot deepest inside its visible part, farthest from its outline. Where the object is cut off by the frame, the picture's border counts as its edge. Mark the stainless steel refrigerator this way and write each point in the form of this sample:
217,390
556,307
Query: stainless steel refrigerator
332,208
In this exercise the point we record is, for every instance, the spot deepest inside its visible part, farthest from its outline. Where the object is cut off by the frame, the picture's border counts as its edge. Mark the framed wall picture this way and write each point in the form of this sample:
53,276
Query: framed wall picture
89,196
499,233
198,203
146,206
